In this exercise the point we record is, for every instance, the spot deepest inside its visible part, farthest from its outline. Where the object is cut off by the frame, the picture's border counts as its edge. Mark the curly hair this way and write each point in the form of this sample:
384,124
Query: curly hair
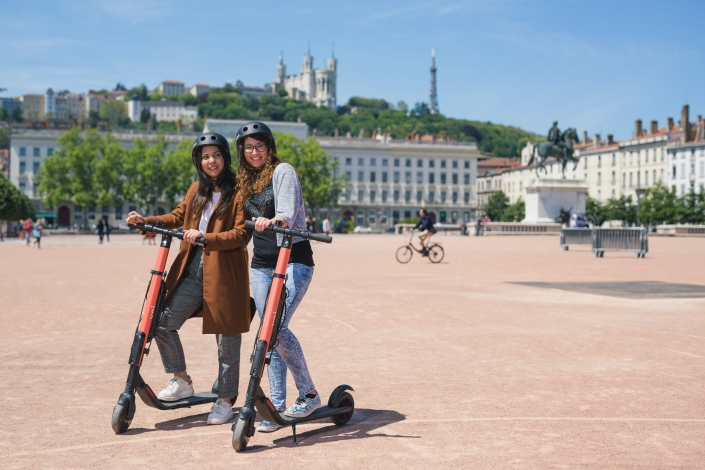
252,180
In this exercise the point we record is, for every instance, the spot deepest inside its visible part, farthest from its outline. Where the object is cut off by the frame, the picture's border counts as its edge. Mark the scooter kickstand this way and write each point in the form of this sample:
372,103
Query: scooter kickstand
293,428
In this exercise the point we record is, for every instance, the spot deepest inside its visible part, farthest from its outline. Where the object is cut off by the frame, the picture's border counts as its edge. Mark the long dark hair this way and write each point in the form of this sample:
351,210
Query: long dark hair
252,180
226,182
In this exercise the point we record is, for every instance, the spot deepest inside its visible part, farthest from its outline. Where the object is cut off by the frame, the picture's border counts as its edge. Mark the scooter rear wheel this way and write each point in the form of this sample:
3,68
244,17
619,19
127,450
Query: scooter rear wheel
240,437
119,422
345,399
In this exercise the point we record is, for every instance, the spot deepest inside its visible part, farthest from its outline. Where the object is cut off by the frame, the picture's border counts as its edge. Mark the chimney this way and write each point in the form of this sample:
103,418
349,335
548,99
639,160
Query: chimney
670,124
596,140
654,127
610,139
584,137
637,128
685,123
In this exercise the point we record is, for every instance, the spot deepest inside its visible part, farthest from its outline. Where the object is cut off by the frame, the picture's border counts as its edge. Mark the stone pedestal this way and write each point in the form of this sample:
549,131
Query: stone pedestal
545,198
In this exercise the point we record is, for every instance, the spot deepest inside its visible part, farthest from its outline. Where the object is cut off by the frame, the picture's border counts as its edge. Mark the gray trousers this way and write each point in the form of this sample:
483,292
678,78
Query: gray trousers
186,299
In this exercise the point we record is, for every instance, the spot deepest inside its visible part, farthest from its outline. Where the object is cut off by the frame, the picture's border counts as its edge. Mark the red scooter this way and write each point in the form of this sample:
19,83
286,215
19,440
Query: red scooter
340,404
152,308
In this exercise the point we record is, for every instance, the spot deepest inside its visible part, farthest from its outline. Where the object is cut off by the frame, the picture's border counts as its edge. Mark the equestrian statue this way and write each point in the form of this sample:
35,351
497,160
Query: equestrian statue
559,146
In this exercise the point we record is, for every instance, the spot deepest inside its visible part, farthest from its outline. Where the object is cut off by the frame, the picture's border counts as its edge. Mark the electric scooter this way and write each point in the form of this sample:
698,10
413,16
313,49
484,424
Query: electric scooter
340,404
147,326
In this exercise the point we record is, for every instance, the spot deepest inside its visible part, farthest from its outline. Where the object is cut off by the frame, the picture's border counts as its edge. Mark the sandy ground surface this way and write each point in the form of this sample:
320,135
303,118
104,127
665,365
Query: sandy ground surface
453,365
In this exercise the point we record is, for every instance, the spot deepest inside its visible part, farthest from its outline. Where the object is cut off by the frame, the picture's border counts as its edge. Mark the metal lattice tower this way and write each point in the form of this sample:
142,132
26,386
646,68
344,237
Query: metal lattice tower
433,102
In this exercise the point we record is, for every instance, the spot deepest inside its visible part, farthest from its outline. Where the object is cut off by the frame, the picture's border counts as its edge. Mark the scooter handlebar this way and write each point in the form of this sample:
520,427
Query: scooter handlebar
293,232
173,233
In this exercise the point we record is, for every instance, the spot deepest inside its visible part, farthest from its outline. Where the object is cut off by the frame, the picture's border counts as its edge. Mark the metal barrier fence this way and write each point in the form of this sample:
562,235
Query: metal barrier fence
620,239
575,237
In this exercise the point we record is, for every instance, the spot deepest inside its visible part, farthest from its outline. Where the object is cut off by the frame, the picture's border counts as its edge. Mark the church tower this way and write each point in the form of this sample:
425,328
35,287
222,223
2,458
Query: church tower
433,102
281,72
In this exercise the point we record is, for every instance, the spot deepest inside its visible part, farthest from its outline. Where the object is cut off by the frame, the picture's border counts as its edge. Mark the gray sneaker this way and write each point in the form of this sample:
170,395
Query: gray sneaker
221,412
303,406
268,426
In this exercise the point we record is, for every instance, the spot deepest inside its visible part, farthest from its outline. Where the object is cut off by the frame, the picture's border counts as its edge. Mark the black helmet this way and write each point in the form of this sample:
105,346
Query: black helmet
252,127
211,138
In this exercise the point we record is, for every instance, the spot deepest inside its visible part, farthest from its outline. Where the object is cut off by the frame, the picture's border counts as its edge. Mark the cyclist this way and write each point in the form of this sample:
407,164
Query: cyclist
272,193
427,229
212,278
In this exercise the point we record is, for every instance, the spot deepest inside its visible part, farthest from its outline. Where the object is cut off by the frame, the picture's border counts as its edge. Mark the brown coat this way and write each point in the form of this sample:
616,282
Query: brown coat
226,280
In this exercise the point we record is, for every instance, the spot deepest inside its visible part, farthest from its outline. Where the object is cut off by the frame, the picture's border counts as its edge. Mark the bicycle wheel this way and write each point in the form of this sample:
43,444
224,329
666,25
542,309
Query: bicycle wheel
436,253
404,254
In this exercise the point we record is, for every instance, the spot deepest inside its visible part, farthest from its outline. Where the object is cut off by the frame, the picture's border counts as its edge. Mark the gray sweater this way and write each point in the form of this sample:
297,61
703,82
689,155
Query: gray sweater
288,199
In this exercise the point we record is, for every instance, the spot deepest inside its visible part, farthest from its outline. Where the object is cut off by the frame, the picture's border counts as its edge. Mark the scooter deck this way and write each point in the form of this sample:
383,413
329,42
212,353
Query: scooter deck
322,412
197,399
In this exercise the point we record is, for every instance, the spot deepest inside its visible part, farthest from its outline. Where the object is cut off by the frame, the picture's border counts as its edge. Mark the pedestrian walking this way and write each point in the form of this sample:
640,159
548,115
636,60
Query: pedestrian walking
308,223
27,229
106,231
313,224
99,231
37,233
326,226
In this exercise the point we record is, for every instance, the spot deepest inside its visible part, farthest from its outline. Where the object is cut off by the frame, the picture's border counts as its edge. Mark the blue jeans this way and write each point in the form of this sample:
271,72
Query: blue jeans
288,353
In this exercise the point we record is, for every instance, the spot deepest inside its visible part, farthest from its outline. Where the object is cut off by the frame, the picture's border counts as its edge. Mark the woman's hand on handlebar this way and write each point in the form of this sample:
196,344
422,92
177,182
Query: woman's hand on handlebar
191,235
133,218
262,223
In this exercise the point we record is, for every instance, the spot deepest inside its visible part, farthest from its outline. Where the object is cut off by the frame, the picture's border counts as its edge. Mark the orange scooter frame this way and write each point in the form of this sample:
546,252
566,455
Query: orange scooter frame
341,404
124,410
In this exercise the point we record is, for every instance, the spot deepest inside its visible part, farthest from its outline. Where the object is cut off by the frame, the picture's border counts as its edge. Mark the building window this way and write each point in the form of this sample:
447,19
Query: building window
78,214
396,176
455,177
431,196
395,217
385,162
35,167
360,217
624,180
373,176
373,194
419,177
360,176
348,176
419,196
384,196
396,195
348,161
50,152
408,162
599,178
682,190
466,197
23,151
372,216
419,163
599,161
348,194
455,163
118,212
455,197
360,162
599,196
443,196
521,185
407,177
407,196
614,159
443,178
585,163
443,163
431,163
373,162
384,177
682,171
466,178
23,168
630,179
702,169
661,154
360,195
614,177
431,178
91,212
467,165
407,214
396,162
661,175
36,151
383,217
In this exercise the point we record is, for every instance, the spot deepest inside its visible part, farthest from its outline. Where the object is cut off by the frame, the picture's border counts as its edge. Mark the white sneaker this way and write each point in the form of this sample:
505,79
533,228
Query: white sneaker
177,389
221,412
303,406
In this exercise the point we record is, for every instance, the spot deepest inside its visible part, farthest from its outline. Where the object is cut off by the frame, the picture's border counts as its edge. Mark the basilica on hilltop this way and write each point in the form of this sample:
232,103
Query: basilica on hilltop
315,85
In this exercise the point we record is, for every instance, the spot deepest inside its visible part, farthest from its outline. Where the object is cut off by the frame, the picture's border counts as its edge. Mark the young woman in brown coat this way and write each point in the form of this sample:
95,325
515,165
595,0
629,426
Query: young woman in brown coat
213,278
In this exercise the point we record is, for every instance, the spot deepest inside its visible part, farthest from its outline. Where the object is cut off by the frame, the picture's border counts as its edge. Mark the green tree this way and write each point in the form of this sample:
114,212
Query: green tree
658,205
4,115
114,112
4,137
179,172
143,170
320,184
515,212
621,209
496,205
595,211
13,204
690,208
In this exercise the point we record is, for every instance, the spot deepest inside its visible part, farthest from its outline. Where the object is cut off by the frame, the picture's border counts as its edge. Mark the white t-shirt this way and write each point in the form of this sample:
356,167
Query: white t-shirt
207,212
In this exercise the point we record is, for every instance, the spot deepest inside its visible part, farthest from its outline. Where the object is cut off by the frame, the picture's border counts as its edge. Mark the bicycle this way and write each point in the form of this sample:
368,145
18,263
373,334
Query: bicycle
434,252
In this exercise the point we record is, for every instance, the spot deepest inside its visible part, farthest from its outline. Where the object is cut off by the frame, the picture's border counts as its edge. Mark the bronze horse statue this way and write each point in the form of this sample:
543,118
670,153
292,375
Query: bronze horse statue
562,153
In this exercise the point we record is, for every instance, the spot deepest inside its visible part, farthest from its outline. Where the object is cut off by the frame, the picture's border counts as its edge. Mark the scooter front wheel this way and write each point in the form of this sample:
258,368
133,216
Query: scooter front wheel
240,437
119,422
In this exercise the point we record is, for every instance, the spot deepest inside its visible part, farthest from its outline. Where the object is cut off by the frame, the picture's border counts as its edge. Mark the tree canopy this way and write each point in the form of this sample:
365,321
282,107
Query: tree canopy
13,204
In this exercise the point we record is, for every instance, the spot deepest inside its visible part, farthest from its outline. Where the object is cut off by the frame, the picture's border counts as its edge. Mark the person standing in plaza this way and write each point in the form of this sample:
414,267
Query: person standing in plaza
212,278
272,194
106,230
99,231
37,233
326,226
27,229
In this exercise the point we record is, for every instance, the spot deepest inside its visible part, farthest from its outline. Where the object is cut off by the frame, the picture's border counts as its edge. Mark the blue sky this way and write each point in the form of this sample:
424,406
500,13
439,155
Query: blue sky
593,65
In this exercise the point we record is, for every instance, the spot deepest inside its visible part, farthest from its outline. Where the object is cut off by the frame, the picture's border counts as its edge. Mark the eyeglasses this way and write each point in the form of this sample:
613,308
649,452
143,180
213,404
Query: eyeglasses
260,148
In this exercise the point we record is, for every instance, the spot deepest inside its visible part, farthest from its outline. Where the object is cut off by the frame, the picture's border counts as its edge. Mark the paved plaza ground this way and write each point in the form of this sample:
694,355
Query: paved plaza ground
499,357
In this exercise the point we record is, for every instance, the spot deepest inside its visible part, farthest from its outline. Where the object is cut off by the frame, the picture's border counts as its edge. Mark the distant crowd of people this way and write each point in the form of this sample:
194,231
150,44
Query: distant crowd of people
28,230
